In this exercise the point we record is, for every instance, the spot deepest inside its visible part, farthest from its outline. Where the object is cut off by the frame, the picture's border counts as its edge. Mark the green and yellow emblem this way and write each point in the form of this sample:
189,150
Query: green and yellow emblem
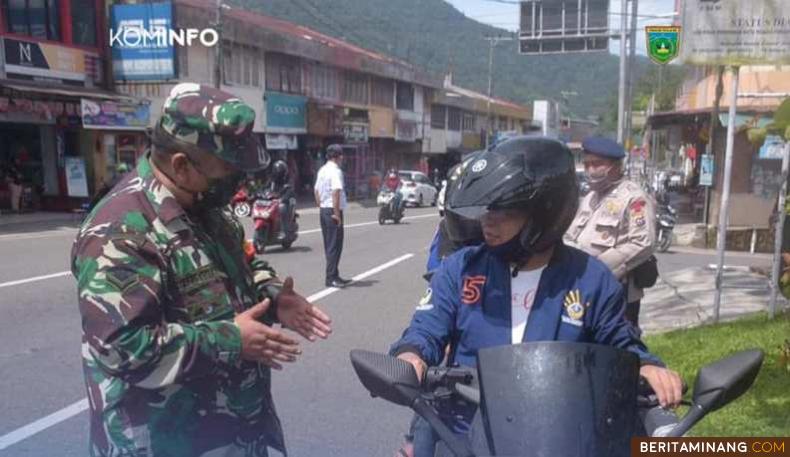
663,43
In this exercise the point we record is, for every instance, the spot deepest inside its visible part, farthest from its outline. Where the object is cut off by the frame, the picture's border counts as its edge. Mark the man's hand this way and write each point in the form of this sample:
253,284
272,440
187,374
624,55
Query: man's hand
299,315
336,218
261,343
665,383
416,361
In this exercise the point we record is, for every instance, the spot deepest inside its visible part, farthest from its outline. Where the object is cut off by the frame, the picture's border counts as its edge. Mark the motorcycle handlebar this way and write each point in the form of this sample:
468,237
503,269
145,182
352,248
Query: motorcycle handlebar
447,377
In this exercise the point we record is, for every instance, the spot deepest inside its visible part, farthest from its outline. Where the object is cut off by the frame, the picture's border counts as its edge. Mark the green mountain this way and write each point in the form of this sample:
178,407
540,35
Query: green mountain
434,35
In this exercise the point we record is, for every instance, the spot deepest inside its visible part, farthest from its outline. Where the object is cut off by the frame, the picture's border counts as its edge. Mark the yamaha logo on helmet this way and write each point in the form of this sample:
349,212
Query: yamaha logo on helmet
479,166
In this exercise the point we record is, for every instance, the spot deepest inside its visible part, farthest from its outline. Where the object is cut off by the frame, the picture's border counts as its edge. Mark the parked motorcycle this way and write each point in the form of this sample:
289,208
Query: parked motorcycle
242,203
388,207
666,217
267,219
551,398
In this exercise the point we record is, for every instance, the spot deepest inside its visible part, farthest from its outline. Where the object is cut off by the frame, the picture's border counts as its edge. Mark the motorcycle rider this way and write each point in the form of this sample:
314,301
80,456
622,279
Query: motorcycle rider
280,187
523,284
393,184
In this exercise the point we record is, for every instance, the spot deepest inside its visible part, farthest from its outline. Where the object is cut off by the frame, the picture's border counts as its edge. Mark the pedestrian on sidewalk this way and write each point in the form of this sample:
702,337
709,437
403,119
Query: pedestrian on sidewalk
330,197
616,222
178,323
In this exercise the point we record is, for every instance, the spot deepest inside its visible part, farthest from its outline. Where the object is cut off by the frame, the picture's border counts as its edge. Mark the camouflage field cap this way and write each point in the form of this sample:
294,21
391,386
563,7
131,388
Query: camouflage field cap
199,118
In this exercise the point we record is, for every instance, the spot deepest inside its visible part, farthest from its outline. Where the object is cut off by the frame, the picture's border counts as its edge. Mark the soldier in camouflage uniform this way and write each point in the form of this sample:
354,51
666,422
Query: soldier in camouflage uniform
178,336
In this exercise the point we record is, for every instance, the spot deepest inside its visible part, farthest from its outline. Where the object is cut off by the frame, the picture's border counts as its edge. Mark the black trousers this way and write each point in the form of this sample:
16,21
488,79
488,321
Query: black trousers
333,242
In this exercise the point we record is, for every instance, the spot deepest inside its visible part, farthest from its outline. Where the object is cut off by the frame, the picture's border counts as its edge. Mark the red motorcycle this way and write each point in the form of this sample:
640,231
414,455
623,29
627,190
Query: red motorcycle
268,217
241,203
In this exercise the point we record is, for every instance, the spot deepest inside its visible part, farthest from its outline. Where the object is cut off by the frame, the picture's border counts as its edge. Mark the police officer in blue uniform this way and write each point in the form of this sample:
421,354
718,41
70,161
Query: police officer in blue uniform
523,284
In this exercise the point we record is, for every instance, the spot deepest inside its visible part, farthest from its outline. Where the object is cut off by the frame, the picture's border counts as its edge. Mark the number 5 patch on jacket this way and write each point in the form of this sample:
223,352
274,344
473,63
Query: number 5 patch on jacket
472,290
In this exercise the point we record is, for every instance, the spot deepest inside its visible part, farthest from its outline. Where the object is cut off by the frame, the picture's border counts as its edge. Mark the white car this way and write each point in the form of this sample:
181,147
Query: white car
417,189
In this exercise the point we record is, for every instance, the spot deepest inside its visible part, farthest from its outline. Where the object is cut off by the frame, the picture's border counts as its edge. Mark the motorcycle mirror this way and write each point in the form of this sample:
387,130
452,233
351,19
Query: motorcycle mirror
387,377
718,384
722,382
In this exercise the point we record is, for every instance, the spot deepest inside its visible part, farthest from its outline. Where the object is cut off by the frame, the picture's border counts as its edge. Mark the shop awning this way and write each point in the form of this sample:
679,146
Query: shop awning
75,91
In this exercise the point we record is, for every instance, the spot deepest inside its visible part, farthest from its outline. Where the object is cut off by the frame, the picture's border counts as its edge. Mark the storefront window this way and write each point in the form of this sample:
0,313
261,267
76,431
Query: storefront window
438,114
36,18
83,22
405,96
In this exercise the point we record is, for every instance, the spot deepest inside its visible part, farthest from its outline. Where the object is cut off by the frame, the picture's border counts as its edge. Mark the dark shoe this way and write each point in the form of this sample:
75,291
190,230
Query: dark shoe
335,283
343,281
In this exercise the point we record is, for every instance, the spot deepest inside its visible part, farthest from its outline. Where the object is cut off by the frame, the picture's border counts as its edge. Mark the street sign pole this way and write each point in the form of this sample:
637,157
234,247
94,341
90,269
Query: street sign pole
780,224
724,209
621,95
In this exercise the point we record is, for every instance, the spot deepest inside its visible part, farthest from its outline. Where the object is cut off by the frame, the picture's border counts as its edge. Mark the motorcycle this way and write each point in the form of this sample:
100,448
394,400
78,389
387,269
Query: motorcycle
267,219
388,209
241,203
666,218
551,398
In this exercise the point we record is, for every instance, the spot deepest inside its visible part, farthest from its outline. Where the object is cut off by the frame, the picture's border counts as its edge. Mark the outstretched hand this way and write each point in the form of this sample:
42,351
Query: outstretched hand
301,316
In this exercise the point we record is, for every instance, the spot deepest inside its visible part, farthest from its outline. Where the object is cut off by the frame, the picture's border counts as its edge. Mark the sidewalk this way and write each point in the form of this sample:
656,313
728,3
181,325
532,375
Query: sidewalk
684,298
44,219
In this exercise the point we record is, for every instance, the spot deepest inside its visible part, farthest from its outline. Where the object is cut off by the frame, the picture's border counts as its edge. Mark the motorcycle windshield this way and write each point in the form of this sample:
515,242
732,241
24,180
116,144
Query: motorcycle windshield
558,399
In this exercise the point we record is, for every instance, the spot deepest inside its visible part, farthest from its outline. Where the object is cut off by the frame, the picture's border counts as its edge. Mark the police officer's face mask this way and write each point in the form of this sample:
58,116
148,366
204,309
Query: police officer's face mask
600,174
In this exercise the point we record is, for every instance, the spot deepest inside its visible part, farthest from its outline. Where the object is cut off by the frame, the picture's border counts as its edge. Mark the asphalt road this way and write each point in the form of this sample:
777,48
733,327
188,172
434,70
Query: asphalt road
324,409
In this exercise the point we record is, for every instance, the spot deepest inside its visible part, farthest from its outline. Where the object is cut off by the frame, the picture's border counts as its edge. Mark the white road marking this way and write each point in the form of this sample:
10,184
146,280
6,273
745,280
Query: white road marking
360,277
73,409
34,279
303,232
42,424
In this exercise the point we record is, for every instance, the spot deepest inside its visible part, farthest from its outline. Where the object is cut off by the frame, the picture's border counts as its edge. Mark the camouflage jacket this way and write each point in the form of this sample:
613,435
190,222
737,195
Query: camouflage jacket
158,291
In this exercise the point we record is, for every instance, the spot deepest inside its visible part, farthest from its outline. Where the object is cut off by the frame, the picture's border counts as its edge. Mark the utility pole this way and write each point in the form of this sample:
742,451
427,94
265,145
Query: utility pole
631,77
623,71
493,41
218,49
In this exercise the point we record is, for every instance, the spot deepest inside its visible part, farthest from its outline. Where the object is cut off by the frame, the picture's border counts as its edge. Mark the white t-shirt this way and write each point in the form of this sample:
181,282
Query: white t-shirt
330,179
523,288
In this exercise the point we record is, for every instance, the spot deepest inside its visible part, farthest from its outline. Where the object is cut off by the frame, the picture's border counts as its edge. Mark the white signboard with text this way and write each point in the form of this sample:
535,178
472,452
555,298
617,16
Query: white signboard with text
735,32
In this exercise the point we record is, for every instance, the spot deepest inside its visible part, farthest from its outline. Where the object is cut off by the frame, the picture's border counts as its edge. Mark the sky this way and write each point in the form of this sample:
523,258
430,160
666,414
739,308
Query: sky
506,16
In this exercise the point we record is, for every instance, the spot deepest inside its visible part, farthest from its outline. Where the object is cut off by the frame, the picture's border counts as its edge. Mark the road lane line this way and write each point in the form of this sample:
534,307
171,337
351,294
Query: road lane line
34,279
303,232
42,424
73,231
363,224
72,410
360,277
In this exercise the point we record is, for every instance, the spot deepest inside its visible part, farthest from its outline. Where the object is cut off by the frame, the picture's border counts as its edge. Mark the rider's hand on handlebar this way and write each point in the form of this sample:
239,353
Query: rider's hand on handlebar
665,383
419,365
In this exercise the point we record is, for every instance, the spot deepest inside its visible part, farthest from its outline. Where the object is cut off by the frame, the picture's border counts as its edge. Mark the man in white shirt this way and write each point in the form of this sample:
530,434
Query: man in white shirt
330,196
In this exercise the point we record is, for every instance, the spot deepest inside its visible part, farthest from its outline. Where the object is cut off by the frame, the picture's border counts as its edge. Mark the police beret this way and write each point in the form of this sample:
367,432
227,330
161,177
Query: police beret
603,147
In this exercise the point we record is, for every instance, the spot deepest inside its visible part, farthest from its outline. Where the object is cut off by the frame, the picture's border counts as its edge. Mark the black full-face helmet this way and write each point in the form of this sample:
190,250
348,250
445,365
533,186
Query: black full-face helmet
530,173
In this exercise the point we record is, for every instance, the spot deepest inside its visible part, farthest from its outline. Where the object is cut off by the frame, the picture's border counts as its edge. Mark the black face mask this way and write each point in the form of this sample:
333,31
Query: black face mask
219,192
510,251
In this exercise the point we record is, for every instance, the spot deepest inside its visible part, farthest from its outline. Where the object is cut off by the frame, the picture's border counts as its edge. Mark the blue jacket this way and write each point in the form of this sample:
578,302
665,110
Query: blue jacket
434,259
468,305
